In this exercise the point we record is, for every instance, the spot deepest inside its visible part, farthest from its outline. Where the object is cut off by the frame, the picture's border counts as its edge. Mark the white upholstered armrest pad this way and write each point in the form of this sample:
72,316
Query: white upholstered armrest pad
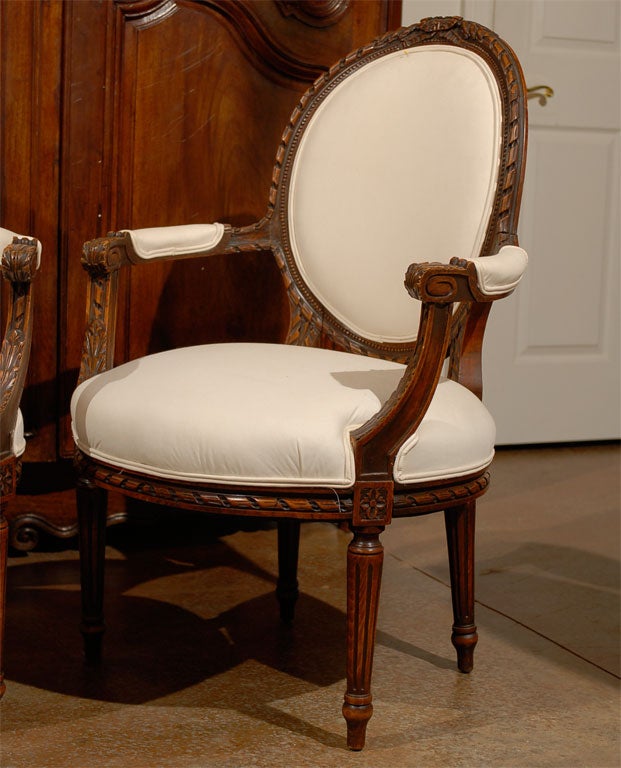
152,242
502,271
19,441
266,415
6,238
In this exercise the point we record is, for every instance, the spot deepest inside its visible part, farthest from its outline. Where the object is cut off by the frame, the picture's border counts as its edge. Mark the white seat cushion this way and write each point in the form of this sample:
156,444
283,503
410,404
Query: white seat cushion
266,415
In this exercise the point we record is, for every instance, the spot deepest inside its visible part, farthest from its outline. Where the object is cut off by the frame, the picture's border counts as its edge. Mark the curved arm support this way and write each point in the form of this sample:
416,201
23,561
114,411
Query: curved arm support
438,286
20,262
496,277
377,442
102,259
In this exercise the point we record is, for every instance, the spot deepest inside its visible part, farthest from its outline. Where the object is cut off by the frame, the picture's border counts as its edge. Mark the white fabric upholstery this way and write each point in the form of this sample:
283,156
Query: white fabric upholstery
266,415
19,442
502,271
6,238
154,242
398,165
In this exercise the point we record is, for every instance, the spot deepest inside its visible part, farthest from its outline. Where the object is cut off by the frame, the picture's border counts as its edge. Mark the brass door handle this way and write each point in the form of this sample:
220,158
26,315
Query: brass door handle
541,92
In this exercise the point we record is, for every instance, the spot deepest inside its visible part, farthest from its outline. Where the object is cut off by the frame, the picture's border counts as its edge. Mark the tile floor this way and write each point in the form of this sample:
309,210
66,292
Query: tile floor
198,672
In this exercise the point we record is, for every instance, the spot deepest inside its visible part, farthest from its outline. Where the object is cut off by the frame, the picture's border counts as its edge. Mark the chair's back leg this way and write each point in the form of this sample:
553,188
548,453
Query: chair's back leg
365,557
288,550
460,524
92,503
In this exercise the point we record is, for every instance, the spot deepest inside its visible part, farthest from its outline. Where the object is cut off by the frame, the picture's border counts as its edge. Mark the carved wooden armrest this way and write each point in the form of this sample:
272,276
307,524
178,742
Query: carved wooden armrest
481,279
103,257
141,246
20,261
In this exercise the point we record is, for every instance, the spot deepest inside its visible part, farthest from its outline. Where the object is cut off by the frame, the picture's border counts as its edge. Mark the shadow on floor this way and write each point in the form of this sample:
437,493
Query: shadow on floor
154,646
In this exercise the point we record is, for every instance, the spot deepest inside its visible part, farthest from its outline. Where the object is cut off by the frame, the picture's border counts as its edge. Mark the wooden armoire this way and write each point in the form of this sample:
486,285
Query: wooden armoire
140,113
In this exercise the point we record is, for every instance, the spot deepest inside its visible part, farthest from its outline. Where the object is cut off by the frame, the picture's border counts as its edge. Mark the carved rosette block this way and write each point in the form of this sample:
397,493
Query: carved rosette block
9,470
373,503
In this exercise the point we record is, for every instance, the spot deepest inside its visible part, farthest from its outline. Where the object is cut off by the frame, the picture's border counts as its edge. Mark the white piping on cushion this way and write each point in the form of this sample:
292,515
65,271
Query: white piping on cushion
502,271
235,480
152,242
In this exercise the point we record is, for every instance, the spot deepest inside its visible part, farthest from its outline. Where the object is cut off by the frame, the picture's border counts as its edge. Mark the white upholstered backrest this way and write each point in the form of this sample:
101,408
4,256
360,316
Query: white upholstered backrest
398,164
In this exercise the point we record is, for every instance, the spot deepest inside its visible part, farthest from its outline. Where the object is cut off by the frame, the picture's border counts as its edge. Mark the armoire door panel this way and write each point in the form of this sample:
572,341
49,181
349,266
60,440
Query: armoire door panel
199,116
134,113
177,120
87,149
30,77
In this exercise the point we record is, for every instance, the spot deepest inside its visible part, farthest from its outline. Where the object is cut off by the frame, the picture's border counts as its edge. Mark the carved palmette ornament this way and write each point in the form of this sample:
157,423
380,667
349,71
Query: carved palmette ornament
19,260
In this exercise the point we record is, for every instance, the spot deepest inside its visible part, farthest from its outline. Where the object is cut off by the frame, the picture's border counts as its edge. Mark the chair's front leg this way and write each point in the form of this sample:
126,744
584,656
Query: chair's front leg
92,505
288,549
365,557
460,523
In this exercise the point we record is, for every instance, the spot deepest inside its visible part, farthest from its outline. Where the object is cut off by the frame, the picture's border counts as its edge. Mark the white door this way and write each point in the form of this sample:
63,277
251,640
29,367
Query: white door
552,355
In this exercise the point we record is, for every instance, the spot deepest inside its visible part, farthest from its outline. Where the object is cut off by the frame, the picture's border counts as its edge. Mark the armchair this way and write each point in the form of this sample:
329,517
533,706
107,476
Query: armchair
404,161
20,260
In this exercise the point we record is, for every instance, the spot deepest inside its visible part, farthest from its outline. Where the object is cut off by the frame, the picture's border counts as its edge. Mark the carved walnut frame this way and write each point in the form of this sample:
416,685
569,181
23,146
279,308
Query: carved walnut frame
18,267
453,317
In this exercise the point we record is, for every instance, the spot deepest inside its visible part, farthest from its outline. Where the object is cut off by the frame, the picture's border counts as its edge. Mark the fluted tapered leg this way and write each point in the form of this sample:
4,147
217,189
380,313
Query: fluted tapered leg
92,505
365,558
288,550
460,524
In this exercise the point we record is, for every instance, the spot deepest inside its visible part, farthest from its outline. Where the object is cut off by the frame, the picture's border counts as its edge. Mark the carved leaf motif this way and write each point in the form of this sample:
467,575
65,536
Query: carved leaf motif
10,361
439,23
95,345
